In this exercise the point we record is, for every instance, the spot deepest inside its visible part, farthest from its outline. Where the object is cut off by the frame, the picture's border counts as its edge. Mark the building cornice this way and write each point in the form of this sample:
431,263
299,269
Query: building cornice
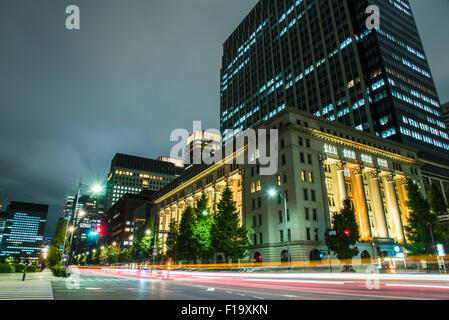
202,174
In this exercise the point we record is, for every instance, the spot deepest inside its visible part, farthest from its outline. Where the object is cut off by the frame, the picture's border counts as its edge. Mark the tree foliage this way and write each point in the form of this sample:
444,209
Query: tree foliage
55,252
341,243
420,218
227,236
202,228
104,254
142,241
187,244
438,207
172,240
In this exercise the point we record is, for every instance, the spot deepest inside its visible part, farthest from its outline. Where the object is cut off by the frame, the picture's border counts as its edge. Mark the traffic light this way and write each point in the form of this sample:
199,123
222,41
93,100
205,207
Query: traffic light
99,229
347,233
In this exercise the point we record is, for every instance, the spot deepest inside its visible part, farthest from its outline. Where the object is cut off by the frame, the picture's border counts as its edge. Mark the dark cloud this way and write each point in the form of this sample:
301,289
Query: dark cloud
135,71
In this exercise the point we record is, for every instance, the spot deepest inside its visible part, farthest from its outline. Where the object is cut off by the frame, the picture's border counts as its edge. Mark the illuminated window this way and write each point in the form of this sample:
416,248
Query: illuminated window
303,175
310,176
350,154
382,162
253,187
258,186
328,148
367,158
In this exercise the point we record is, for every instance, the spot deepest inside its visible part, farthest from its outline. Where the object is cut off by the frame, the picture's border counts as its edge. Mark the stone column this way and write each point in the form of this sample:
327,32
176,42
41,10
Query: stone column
360,200
341,181
393,207
376,199
401,184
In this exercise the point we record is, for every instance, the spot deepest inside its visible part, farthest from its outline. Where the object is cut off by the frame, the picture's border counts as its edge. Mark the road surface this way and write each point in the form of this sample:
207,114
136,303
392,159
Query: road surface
112,284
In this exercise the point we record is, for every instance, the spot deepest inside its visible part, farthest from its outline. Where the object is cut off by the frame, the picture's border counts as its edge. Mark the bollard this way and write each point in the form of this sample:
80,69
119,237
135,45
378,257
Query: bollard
24,275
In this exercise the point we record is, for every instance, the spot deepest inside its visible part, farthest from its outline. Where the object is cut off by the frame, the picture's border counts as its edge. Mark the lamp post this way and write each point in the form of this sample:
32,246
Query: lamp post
283,194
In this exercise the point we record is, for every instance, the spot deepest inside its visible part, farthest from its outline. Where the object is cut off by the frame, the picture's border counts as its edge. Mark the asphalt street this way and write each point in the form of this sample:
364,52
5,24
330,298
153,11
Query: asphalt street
91,284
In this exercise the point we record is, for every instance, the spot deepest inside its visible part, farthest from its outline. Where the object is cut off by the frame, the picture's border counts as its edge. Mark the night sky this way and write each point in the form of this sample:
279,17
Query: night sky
136,70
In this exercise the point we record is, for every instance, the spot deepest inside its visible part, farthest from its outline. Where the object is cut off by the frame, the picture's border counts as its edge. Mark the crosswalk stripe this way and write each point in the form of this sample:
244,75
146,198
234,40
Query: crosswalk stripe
28,291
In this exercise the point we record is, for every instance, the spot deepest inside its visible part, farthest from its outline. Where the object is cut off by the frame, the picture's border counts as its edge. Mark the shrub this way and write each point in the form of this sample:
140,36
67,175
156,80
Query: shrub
21,267
6,268
58,271
32,268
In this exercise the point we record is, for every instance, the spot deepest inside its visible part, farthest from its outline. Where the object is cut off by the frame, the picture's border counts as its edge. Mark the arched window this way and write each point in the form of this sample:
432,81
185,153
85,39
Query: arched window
284,256
364,254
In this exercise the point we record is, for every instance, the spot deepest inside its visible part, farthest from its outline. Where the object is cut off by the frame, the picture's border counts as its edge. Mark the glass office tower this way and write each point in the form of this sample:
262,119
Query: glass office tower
320,57
23,231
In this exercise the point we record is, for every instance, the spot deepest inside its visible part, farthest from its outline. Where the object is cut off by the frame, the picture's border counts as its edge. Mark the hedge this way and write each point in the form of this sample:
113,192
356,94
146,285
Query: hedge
21,268
58,271
32,268
6,268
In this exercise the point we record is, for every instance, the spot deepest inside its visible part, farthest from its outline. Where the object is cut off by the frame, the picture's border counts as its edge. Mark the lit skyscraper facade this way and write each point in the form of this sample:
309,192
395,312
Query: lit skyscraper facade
24,230
131,174
320,57
445,108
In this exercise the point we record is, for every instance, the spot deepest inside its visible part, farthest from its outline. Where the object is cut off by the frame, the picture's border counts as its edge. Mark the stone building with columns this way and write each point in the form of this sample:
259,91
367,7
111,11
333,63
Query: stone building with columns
170,202
320,163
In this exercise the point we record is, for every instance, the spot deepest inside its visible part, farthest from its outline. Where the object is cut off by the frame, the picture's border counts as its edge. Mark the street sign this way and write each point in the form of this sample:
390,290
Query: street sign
332,233
162,231
443,218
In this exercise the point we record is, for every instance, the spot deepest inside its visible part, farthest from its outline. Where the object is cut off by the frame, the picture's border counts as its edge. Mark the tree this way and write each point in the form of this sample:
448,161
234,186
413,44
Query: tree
113,254
104,254
227,235
172,239
202,228
55,252
186,244
420,218
95,256
142,241
347,233
438,207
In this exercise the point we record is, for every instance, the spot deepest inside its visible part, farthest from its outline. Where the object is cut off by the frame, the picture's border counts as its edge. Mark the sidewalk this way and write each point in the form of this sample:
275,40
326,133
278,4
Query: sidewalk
37,286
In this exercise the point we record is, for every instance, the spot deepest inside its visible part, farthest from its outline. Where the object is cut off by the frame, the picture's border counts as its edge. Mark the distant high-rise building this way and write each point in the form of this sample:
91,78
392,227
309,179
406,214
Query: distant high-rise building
320,57
68,206
24,230
179,164
131,174
199,142
445,109
2,224
90,213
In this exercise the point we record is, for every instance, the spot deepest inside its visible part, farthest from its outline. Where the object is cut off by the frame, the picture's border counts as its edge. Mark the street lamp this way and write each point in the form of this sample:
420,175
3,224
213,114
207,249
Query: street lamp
146,232
272,193
205,213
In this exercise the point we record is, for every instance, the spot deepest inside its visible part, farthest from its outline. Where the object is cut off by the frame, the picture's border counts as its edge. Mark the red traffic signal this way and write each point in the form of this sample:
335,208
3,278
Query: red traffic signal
347,233
99,230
